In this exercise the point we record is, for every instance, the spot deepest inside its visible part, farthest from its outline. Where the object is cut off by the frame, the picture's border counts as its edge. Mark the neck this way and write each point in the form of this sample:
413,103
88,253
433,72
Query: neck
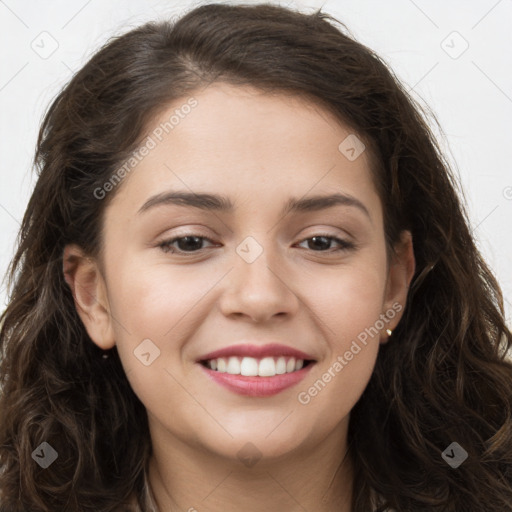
185,478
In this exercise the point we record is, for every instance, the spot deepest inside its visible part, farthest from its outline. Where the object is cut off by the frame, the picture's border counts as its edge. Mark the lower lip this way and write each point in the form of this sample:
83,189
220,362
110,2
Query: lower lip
257,386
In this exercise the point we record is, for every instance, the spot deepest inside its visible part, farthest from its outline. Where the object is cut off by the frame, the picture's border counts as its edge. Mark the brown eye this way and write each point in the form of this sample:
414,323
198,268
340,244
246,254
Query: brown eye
185,244
322,242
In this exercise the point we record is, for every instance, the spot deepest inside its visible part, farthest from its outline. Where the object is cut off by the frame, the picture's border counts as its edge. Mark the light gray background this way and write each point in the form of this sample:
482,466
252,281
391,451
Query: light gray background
470,92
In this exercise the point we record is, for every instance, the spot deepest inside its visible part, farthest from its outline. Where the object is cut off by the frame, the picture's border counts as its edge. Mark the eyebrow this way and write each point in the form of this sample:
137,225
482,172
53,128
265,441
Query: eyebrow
220,203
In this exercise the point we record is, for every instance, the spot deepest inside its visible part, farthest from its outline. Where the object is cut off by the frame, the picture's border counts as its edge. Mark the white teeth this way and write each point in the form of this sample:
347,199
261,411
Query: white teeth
281,366
267,367
221,365
249,367
252,367
233,366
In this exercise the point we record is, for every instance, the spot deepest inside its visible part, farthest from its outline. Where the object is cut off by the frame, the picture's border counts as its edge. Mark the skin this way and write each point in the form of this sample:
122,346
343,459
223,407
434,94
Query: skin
259,150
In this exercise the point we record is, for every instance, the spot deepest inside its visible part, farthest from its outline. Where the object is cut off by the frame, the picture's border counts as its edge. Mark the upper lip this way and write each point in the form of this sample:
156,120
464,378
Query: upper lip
256,351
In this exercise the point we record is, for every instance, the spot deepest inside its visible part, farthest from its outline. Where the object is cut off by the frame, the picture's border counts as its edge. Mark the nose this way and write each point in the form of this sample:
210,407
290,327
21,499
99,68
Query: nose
259,290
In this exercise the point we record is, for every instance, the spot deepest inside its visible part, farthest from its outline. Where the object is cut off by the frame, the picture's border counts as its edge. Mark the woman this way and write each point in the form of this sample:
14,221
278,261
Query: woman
245,281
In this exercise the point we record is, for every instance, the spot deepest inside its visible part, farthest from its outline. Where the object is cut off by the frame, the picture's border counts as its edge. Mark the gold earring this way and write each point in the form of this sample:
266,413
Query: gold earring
389,332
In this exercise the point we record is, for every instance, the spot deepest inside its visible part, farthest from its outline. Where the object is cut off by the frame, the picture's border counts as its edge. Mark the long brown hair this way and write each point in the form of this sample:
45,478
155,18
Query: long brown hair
443,377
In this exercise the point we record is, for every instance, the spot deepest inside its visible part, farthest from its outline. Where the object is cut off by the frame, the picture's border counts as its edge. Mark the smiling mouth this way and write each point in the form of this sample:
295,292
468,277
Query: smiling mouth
256,367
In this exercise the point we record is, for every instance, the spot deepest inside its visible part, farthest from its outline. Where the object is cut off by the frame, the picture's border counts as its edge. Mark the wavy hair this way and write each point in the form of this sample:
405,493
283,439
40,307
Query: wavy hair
444,376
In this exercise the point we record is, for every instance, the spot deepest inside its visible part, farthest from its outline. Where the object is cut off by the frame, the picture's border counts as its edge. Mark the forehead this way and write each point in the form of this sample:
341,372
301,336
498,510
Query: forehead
240,141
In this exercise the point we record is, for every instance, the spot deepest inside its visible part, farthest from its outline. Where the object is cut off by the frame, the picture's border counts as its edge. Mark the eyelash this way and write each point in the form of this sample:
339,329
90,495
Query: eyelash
165,244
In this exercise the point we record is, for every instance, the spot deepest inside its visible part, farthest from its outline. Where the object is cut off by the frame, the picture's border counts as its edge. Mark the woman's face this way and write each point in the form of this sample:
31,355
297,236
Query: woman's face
258,278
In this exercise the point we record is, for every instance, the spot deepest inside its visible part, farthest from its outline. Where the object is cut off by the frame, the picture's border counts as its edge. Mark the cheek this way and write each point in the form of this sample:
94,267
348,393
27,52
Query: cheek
347,300
152,303
348,305
156,303
152,299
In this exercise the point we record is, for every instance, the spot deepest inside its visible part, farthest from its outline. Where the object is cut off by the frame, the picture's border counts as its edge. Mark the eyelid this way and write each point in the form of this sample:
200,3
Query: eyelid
190,231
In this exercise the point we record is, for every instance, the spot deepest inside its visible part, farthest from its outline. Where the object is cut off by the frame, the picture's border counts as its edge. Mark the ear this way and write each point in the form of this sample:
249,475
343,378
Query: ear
400,273
89,291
